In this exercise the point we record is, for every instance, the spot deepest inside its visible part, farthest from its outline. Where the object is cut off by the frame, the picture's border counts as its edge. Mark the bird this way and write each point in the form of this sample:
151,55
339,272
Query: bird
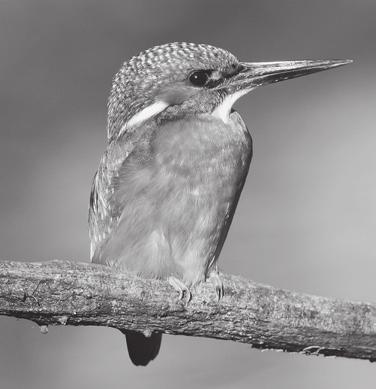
176,160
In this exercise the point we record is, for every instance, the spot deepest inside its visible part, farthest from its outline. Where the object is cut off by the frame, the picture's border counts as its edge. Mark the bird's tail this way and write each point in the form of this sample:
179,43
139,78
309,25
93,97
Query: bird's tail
142,349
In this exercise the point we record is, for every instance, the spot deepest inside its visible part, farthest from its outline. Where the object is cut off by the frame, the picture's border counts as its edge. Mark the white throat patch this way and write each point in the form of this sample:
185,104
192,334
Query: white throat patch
145,114
223,110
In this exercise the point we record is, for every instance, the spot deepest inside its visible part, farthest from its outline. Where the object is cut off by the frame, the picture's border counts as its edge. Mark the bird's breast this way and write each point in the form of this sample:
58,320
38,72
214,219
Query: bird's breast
201,151
176,192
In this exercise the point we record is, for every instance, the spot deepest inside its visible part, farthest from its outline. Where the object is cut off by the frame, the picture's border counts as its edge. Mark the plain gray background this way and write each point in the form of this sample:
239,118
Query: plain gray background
306,220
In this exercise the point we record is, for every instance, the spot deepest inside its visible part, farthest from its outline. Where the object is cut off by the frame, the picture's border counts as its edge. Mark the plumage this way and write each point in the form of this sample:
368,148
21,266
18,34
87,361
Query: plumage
177,157
167,203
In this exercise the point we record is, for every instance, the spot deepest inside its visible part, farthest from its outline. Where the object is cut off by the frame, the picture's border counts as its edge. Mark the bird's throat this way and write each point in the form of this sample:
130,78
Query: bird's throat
222,111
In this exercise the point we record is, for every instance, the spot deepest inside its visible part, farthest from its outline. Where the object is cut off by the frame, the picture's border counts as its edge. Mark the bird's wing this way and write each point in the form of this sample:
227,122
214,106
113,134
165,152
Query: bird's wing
245,162
104,211
101,213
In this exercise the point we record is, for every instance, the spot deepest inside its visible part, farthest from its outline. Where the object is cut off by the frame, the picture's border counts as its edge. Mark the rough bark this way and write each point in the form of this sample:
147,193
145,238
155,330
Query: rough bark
69,293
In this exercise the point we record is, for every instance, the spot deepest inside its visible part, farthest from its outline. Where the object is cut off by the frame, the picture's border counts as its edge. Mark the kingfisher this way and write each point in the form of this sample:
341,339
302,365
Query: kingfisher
176,161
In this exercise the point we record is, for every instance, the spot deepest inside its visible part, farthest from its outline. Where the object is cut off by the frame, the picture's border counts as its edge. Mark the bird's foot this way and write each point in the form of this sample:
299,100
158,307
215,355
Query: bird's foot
219,288
179,286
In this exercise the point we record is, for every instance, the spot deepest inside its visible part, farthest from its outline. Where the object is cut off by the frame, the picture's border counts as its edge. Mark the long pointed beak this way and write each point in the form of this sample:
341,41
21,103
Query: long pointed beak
254,74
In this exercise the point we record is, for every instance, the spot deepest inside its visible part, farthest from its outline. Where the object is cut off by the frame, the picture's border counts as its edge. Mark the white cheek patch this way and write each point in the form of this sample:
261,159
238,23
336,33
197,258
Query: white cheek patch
222,111
144,115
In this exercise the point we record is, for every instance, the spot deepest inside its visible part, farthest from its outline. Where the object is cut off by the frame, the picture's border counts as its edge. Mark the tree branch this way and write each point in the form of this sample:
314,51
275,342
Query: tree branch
69,293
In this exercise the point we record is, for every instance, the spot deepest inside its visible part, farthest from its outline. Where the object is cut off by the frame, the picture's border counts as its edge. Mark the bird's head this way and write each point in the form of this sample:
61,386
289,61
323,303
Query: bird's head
188,78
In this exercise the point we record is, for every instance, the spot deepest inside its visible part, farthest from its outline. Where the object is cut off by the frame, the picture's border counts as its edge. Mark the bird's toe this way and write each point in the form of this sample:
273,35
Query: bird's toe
219,288
180,287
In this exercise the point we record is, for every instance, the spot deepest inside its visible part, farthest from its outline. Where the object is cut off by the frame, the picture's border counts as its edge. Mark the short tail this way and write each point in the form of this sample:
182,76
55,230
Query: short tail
142,349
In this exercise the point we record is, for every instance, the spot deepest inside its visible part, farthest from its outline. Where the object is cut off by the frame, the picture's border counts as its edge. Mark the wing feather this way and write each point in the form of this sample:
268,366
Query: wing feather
246,161
104,211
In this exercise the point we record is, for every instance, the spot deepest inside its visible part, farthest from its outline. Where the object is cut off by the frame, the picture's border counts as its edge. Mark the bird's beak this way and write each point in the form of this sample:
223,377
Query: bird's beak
254,74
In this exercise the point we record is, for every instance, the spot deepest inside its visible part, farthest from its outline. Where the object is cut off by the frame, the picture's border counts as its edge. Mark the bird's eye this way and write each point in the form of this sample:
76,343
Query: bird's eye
199,77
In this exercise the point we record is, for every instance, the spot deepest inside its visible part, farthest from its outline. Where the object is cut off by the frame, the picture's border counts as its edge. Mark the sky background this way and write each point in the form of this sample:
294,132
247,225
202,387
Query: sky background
306,220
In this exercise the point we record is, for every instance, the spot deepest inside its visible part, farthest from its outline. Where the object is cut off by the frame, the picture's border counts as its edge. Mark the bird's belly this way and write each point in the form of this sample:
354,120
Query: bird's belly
175,204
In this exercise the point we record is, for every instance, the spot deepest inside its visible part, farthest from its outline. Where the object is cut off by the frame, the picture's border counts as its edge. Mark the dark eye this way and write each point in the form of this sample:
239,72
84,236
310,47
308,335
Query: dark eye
199,77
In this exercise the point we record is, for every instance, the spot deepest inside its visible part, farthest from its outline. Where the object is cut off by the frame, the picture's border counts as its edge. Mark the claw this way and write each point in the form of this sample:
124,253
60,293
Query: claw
219,288
179,286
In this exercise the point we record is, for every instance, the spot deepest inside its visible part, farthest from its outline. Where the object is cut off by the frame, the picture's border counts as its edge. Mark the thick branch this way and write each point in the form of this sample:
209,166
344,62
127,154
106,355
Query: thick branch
69,293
